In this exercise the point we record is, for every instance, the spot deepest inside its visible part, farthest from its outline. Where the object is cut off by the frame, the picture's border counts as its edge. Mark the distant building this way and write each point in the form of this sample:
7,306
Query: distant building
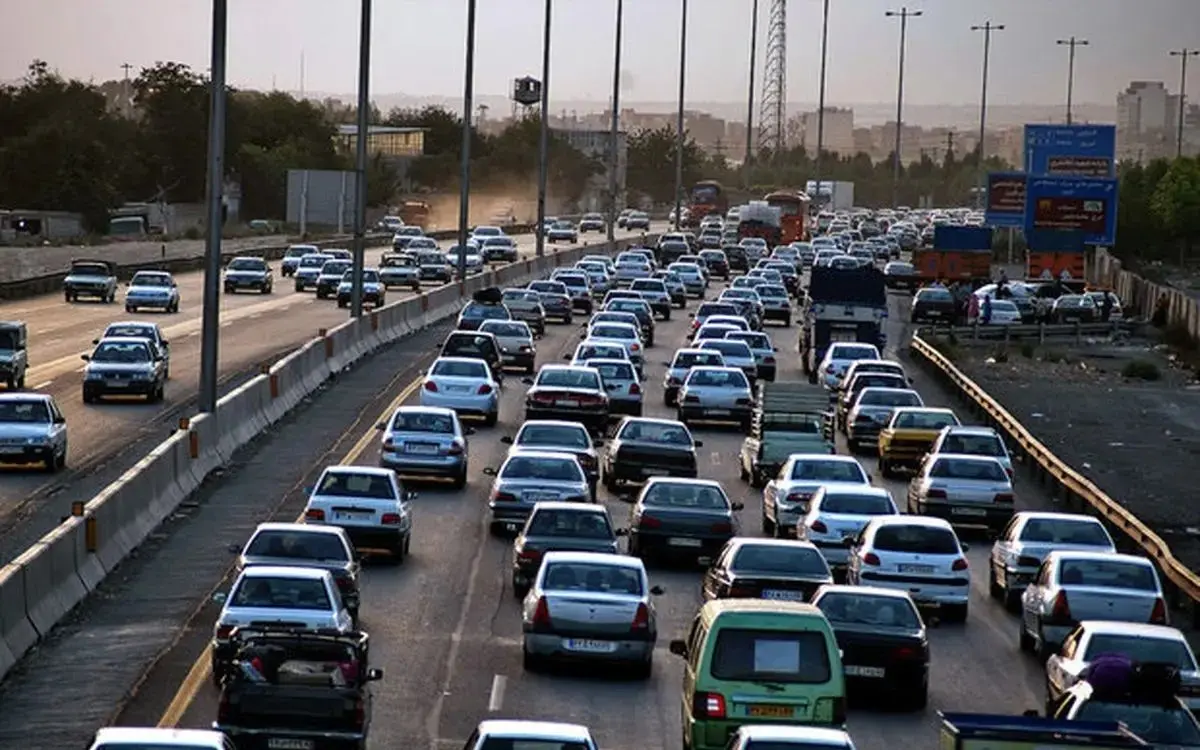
597,144
391,142
1147,121
838,131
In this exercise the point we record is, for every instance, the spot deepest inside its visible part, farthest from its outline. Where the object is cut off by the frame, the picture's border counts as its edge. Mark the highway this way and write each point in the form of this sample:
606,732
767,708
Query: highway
445,627
254,329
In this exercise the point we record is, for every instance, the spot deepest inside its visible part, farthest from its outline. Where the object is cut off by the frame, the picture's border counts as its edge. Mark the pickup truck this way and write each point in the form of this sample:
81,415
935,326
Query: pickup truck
91,278
907,439
790,417
961,731
298,690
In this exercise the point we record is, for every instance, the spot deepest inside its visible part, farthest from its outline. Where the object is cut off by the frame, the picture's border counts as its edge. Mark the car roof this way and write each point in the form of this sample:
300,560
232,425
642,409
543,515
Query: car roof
842,459
576,733
1049,515
123,340
373,471
539,453
928,522
857,491
883,389
845,588
131,324
597,558
562,505
796,735
715,368
742,541
22,396
573,368
925,409
284,571
415,409
970,429
159,736
1135,629
965,457
302,528
460,360
552,423
1073,554
694,482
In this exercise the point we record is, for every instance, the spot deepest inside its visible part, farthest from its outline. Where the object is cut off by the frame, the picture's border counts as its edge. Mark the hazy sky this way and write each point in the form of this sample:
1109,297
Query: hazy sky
419,45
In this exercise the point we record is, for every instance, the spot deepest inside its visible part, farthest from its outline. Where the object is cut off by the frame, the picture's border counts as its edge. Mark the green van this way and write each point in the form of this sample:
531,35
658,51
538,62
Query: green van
755,661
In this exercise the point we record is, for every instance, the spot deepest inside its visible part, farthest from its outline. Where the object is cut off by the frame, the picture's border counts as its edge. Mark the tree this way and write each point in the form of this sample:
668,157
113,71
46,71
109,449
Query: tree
1176,201
172,102
650,169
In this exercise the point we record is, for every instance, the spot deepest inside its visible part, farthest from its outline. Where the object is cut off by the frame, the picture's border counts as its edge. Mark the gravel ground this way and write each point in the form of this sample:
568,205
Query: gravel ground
1130,437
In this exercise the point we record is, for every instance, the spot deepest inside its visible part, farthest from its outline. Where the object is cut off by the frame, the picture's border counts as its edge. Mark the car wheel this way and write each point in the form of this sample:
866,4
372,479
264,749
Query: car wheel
399,552
530,662
130,309
460,479
519,590
644,670
1025,641
918,697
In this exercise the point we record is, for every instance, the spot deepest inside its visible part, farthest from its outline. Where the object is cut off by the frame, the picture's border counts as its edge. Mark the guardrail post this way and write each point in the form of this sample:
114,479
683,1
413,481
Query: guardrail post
1078,333
1041,333
975,331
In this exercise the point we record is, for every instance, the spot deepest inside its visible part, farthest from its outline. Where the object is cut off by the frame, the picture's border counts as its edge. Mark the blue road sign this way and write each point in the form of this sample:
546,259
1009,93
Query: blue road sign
977,239
1081,204
1005,199
1081,150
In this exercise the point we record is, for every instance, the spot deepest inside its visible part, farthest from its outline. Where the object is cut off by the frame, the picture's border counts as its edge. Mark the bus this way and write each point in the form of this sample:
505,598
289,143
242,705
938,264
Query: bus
707,197
793,214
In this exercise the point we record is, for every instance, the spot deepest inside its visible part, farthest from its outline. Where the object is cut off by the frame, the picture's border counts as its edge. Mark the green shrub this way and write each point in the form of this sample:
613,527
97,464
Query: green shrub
1140,369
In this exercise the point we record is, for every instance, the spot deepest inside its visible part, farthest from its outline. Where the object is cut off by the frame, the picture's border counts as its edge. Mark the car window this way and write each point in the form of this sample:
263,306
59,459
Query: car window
665,433
460,369
469,345
924,420
852,352
753,340
796,656
1141,649
150,279
421,421
613,332
890,398
556,435
718,378
735,349
1107,573
857,505
827,471
569,379
866,609
540,467
777,559
569,523
111,352
271,592
498,328
366,486
24,412
927,539
961,468
685,495
300,545
973,445
247,264
593,578
617,371
694,359
1065,531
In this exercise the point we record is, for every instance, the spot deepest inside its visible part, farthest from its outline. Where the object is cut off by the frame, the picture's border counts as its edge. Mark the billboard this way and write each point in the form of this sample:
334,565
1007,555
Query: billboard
970,239
1005,199
1073,203
1081,150
321,197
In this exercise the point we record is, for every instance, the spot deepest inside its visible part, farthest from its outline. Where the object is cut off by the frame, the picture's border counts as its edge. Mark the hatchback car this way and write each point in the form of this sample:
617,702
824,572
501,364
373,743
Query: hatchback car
529,476
557,526
464,385
622,383
425,441
920,555
967,491
559,436
718,393
517,348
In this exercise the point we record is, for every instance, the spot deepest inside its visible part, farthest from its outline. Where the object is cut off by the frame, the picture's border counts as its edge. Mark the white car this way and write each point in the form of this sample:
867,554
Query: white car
786,498
535,735
588,350
140,738
920,555
622,382
154,290
1004,313
721,393
517,348
1029,538
464,384
838,512
734,353
625,334
368,503
838,358
974,440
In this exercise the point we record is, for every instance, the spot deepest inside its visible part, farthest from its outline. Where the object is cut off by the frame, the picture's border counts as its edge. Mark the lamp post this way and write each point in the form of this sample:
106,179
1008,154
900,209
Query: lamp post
1183,55
543,137
1071,43
360,160
821,97
987,28
679,138
613,155
210,324
750,96
464,187
903,14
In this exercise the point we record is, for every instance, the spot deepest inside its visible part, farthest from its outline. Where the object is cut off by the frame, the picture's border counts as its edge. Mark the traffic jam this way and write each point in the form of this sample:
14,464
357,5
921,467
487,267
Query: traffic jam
825,610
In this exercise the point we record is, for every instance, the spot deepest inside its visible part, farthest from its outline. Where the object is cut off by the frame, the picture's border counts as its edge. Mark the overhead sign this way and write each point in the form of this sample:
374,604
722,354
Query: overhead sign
1075,204
1005,205
968,239
1080,150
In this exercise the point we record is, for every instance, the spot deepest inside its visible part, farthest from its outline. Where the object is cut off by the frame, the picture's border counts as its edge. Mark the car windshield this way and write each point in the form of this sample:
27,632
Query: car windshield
569,379
460,368
600,351
828,471
335,268
628,305
508,330
1117,574
351,484
585,524
519,297
499,241
480,345
24,412
685,495
298,544
974,445
924,420
752,340
121,353
778,560
934,295
313,261
1158,725
718,378
151,279
542,467
867,609
1141,648
556,435
369,276
247,264
596,578
477,311
878,380
967,469
694,359
648,285
856,504
89,269
1065,531
423,421
275,592
921,539
129,332
788,656
664,433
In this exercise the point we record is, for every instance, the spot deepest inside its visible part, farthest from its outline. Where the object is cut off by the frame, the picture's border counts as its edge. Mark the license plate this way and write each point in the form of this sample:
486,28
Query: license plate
586,646
458,388
537,497
916,568
718,412
352,515
117,383
656,472
11,450
421,448
286,743
933,313
678,541
968,511
791,596
873,672
566,402
773,712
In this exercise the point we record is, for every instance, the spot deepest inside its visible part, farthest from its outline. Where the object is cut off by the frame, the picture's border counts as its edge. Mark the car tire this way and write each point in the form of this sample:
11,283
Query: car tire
130,309
644,670
299,288
460,479
1025,641
918,697
995,590
519,590
491,419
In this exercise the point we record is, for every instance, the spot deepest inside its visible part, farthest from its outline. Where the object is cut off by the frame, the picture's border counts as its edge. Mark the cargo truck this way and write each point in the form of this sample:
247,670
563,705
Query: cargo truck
789,417
831,195
843,305
958,254
963,731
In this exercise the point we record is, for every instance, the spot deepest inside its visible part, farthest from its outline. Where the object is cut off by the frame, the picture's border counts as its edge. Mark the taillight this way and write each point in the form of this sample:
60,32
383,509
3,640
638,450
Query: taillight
484,389
1158,616
388,445
314,514
708,706
541,615
722,527
224,631
455,449
1061,611
641,619
649,522
819,527
528,555
345,584
504,497
935,493
871,559
904,652
635,389
224,714
541,398
740,591
635,347
360,713
390,519
960,564
1004,497
431,386
797,497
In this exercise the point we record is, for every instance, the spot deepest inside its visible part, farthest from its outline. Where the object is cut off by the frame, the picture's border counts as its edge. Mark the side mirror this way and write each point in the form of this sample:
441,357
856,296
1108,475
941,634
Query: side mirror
235,549
468,430
566,357
410,495
933,621
381,426
490,471
910,381
374,674
506,440
95,341
697,443
678,647
666,364
220,597
737,506
166,343
620,532
657,591
691,315
86,357
965,547
527,381
60,420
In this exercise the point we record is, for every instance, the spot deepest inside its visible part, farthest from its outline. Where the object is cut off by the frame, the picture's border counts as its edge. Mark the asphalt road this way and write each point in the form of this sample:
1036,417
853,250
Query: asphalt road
105,439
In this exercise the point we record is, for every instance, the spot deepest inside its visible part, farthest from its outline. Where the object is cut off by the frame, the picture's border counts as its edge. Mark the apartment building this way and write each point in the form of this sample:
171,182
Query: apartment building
1147,122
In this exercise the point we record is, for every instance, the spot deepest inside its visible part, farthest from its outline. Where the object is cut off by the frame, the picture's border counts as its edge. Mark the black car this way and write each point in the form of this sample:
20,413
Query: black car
716,262
475,345
883,641
781,569
643,448
641,309
900,276
560,527
736,255
934,304
572,394
681,518
671,251
475,312
557,307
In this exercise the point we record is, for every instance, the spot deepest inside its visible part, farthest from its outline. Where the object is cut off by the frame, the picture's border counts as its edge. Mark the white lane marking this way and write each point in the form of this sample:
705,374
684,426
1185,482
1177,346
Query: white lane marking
43,386
716,458
81,369
496,701
227,323
254,315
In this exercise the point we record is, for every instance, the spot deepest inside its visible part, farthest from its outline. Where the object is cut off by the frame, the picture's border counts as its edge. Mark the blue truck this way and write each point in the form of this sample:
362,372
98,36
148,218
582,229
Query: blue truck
843,305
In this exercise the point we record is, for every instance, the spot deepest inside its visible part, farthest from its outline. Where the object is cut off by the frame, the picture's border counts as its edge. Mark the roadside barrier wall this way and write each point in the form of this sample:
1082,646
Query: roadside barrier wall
1140,296
41,586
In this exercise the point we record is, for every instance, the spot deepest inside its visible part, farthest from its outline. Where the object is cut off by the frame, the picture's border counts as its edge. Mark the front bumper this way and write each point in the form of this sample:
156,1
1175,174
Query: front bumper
148,303
26,454
102,388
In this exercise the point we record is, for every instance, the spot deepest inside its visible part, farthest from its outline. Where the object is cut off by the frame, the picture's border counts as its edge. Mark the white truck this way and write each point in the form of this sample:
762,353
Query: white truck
831,195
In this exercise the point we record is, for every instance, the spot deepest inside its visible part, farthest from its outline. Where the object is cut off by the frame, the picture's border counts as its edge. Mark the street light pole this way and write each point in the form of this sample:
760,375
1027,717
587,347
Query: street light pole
1072,43
904,14
1183,55
821,98
543,137
679,137
613,155
360,160
750,96
464,187
210,324
987,28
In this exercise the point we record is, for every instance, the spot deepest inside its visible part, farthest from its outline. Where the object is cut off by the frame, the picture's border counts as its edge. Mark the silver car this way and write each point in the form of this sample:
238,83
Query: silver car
516,343
675,287
613,316
530,476
656,294
306,545
622,382
32,430
1072,587
679,367
1029,537
526,305
400,269
124,367
786,498
248,273
838,512
762,349
558,436
775,301
872,410
562,231
588,350
292,256
692,276
599,277
967,491
625,334
590,607
425,441
631,269
735,354
720,393
578,287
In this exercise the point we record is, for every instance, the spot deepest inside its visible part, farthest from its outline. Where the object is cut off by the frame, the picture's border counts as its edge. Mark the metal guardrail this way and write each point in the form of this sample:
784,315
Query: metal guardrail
1039,331
1181,584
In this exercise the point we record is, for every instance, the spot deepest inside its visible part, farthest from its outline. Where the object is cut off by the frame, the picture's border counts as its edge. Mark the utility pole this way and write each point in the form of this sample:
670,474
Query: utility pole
1183,55
821,98
750,97
987,28
903,14
126,93
614,159
679,136
210,324
539,237
1071,43
360,159
950,136
464,181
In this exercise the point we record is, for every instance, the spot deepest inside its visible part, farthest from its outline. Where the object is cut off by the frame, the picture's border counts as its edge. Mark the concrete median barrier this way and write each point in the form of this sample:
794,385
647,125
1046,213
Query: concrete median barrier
52,577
